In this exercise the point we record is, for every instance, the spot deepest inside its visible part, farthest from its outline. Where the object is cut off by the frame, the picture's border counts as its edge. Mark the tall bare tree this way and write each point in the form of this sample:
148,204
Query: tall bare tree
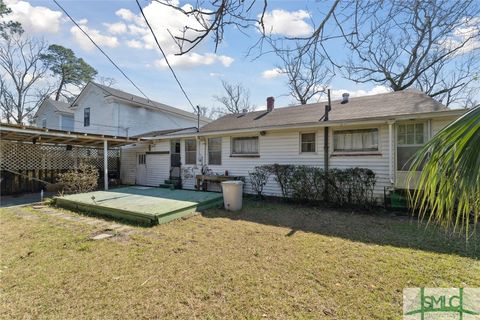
423,44
308,72
21,73
235,100
107,81
213,17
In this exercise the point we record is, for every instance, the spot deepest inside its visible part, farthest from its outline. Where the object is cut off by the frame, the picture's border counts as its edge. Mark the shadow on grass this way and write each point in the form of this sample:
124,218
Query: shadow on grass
377,227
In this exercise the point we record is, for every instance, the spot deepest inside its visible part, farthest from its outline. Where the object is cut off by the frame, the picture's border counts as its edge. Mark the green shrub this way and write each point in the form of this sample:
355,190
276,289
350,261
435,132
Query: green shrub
283,175
341,187
259,178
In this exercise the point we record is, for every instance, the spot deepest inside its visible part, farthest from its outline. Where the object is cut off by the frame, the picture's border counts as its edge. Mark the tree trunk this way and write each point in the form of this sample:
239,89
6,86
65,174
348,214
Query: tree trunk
59,91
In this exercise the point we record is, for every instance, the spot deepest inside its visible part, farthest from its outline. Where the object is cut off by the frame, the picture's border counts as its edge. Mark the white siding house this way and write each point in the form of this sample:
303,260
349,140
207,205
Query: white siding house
54,115
103,110
376,132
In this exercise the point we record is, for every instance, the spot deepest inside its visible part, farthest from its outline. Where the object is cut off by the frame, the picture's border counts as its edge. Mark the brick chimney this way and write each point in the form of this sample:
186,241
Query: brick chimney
270,103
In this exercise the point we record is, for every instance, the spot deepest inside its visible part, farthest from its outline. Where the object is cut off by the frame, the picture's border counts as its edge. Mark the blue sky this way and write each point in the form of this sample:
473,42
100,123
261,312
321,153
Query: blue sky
118,28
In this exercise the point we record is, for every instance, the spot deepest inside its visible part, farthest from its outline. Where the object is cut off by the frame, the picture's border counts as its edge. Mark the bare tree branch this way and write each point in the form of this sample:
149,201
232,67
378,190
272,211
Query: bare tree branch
421,44
22,70
307,72
235,100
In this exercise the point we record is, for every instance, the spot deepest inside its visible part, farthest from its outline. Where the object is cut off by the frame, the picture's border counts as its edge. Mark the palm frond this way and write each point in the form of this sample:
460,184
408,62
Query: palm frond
448,188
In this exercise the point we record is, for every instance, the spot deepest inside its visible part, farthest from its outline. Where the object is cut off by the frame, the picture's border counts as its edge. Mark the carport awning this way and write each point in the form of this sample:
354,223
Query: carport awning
23,133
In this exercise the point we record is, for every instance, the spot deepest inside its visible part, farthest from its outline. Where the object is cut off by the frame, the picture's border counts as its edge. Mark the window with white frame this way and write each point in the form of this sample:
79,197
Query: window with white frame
245,146
307,142
411,134
355,140
86,117
215,151
142,158
190,151
410,138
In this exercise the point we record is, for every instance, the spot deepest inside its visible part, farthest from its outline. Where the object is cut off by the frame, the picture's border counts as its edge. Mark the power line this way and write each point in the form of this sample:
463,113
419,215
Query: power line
101,50
165,57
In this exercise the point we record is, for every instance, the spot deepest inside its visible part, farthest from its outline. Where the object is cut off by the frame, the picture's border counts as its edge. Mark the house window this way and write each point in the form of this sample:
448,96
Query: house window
355,140
215,151
44,123
307,142
142,158
245,146
86,117
411,134
191,151
410,138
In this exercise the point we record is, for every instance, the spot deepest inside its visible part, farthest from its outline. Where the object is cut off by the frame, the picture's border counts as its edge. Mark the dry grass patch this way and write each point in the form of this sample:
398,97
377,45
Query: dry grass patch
270,261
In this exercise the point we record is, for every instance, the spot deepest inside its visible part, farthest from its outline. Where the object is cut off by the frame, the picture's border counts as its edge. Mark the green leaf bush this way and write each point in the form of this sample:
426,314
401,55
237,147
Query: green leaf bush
340,187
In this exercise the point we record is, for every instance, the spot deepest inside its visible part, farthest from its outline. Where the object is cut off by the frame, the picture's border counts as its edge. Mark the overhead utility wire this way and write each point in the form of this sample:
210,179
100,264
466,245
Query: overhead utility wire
101,50
165,57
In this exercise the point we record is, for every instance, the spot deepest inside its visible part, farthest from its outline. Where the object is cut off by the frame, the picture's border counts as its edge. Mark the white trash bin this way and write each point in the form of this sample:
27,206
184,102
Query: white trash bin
232,195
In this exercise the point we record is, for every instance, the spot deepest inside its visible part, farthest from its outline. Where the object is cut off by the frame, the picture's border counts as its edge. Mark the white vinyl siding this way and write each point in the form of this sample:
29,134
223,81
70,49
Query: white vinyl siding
158,168
245,146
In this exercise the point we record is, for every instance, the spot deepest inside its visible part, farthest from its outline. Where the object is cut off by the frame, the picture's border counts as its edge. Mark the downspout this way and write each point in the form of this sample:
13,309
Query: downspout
198,118
325,146
325,133
390,152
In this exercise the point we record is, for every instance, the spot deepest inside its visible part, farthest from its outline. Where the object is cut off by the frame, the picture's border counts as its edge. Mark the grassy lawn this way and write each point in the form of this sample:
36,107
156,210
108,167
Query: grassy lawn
270,261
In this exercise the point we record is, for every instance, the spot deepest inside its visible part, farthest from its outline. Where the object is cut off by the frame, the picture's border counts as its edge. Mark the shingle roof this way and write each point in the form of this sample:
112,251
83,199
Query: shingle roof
158,133
380,105
136,99
61,106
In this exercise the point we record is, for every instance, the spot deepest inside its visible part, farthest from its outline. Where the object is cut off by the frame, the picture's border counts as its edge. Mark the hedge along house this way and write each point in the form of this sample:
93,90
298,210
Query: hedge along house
378,132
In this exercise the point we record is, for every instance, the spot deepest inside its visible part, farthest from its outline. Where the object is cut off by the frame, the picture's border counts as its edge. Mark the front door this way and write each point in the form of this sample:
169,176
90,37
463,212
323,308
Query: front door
175,162
141,178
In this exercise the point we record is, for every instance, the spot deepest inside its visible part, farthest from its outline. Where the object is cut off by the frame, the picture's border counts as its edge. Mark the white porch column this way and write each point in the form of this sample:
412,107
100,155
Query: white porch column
105,164
390,152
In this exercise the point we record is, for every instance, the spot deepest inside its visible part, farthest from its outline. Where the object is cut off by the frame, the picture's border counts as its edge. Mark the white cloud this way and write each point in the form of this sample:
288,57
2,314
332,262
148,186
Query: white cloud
134,44
116,28
215,74
272,73
101,39
165,22
194,60
34,19
287,23
336,94
471,29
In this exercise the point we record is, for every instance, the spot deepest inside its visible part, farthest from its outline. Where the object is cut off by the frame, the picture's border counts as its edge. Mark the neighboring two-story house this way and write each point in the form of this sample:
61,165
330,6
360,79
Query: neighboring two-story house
53,114
99,109
104,110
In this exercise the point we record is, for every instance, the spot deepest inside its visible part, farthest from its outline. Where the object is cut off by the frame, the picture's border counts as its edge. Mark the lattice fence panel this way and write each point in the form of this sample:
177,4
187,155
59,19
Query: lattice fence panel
27,156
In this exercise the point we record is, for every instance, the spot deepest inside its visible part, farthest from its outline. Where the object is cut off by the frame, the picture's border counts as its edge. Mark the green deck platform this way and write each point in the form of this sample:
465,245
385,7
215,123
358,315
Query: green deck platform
141,204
